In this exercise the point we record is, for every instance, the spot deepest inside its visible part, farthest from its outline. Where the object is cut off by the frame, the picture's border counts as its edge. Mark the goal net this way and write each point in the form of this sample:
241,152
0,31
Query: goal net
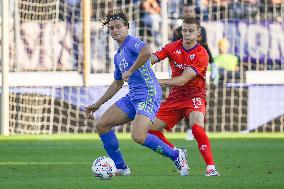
46,62
47,94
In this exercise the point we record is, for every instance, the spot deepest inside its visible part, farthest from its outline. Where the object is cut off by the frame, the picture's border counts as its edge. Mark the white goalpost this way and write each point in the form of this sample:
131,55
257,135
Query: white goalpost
5,69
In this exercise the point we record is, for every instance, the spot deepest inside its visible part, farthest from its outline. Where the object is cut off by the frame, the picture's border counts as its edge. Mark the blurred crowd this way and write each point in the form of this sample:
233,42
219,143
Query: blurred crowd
224,65
209,9
146,16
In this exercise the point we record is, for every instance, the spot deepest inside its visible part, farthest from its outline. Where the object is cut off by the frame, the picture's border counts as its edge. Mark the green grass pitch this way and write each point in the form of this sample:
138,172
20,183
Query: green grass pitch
64,161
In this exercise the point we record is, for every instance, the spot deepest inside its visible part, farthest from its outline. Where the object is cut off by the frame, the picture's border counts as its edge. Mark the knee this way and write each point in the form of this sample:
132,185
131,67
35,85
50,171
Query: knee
138,138
196,120
158,125
102,127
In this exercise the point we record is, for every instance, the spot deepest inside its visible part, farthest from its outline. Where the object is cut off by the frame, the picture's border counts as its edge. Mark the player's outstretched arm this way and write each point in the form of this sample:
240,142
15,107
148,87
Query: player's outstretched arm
142,58
111,91
186,75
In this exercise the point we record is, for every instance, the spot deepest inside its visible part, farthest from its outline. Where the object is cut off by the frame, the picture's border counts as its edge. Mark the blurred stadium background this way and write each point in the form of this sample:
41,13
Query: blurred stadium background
56,58
61,60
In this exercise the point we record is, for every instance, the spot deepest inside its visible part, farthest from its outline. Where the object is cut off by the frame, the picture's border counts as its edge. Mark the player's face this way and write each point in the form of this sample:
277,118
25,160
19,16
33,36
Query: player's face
118,30
190,32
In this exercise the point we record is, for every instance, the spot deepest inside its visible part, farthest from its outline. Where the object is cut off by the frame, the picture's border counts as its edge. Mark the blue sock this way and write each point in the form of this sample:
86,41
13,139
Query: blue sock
111,145
157,145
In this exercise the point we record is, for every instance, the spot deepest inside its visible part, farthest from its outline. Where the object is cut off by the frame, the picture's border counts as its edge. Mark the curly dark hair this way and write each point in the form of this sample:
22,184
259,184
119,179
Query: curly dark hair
111,16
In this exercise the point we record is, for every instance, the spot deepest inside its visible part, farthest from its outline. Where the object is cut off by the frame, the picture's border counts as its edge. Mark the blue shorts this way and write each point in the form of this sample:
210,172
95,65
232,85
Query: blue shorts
147,107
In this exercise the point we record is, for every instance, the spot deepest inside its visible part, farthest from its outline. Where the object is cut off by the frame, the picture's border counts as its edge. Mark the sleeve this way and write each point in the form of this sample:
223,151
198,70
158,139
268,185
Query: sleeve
200,64
163,53
136,46
117,72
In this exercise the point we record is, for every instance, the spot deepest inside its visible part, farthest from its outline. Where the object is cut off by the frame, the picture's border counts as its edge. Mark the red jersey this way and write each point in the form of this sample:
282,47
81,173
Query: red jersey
196,58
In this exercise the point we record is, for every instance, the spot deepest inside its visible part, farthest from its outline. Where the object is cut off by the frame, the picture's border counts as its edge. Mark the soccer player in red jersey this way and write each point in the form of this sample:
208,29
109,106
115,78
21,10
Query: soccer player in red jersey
187,98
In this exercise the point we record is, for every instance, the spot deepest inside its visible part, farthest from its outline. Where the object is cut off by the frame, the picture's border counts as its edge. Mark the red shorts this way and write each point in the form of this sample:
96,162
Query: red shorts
171,112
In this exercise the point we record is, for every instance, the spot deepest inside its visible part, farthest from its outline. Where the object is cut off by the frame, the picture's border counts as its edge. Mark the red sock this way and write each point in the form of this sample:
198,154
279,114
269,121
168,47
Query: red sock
161,136
203,144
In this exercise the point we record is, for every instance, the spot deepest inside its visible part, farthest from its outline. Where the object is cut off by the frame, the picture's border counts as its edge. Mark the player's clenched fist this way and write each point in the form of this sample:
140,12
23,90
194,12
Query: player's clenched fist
126,75
90,110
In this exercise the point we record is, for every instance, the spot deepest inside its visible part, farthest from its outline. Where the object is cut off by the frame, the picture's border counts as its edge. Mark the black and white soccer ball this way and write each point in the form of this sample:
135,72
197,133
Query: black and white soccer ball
103,167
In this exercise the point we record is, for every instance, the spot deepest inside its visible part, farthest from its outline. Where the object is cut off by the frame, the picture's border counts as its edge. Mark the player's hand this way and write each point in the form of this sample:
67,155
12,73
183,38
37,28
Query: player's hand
126,75
162,82
90,110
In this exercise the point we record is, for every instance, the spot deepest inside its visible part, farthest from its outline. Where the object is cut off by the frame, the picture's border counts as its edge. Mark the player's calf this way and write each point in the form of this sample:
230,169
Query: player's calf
138,137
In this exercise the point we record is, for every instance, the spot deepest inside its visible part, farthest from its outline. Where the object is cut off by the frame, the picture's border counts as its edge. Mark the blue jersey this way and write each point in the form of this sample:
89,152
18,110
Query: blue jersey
142,83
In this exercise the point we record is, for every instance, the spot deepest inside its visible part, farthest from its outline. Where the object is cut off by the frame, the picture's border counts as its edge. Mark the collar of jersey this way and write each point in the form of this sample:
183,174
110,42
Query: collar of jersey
190,48
127,38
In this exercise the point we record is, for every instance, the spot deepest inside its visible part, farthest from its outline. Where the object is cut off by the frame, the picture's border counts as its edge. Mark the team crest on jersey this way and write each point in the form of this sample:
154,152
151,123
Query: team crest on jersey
192,56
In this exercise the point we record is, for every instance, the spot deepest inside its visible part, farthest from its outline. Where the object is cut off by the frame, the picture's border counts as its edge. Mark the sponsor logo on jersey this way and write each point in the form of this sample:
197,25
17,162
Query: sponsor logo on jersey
181,66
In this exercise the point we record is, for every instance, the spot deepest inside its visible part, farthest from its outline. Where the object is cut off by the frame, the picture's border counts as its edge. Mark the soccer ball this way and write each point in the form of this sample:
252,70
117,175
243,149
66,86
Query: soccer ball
103,168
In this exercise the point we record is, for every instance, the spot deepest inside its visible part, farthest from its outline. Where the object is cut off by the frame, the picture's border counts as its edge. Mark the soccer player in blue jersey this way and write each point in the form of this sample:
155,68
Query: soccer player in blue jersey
140,105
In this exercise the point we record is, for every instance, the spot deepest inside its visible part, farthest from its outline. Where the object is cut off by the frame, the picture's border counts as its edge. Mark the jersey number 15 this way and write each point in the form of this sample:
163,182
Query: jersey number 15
196,102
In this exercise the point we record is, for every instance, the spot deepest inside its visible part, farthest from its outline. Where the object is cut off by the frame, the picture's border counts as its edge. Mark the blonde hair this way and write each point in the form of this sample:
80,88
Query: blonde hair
223,42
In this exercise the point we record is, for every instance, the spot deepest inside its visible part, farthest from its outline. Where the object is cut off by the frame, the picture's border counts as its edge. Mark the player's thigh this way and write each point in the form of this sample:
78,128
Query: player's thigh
168,117
140,127
113,116
196,117
195,111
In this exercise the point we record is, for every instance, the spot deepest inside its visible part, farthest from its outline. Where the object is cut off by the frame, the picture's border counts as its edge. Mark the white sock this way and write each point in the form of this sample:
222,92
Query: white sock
209,167
189,135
